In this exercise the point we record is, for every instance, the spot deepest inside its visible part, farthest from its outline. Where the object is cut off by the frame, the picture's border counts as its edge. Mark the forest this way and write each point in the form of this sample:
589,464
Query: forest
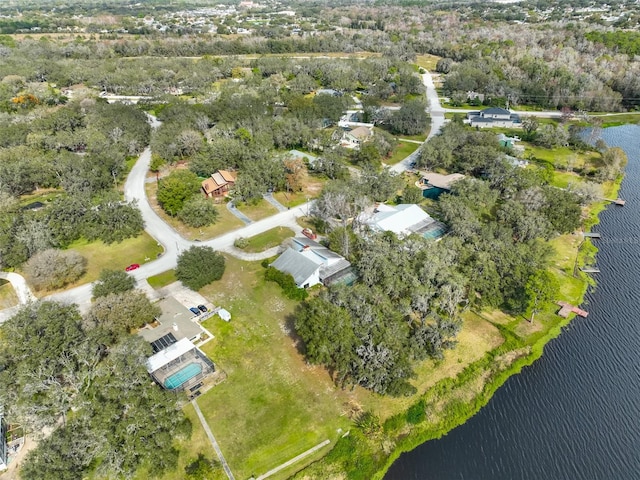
240,103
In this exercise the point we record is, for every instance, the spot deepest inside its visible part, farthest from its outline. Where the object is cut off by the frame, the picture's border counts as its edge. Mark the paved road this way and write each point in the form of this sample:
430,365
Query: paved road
23,292
437,121
522,113
19,284
171,240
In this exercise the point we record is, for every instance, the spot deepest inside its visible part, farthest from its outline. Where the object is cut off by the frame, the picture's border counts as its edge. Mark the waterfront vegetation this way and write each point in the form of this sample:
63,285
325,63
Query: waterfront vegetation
430,330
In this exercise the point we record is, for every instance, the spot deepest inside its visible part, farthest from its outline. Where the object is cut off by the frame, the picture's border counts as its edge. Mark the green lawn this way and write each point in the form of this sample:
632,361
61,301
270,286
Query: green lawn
560,157
260,210
311,188
162,279
226,220
402,150
563,179
272,406
619,119
265,240
8,297
427,61
116,256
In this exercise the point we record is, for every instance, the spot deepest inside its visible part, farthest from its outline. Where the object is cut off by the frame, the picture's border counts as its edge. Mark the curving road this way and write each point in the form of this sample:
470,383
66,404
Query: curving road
23,292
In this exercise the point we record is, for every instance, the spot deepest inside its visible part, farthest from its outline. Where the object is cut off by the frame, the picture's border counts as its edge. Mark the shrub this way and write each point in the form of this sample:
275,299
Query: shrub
369,423
198,212
199,266
287,283
417,413
241,242
52,268
395,423
113,281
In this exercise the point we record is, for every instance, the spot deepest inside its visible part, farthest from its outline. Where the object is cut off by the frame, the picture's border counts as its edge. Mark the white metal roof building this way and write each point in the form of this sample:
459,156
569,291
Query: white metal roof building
402,220
179,366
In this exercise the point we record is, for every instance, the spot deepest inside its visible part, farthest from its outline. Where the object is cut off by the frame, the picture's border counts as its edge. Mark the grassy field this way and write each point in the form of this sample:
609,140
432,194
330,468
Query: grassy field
618,119
226,220
560,157
260,210
311,188
162,279
116,256
8,297
272,406
402,150
427,61
265,240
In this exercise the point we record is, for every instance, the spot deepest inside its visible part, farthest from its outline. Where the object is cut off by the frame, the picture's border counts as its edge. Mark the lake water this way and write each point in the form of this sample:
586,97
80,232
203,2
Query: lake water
575,413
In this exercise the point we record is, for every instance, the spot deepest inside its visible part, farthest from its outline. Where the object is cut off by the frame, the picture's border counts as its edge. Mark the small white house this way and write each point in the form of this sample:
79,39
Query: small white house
354,138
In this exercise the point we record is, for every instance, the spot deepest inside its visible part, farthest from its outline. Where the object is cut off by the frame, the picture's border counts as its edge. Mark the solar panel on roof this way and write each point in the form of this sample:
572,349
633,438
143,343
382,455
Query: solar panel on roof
163,342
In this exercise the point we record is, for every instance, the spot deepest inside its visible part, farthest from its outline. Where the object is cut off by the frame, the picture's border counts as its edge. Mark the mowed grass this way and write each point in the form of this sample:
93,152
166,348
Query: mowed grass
427,61
116,256
162,279
311,188
265,240
8,297
560,157
226,220
400,152
272,406
262,209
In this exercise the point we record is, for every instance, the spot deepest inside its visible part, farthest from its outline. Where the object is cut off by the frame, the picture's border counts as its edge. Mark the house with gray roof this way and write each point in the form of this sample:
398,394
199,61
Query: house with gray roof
493,117
310,263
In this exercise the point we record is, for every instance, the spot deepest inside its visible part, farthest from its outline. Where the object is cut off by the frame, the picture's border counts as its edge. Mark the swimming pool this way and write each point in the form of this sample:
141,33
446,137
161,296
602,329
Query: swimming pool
435,233
183,375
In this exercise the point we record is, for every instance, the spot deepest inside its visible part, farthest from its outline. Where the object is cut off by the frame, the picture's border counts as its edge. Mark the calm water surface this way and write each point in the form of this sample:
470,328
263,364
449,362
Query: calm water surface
575,413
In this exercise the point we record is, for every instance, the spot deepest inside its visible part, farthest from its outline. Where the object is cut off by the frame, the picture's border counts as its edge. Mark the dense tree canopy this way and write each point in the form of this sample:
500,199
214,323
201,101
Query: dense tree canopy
199,266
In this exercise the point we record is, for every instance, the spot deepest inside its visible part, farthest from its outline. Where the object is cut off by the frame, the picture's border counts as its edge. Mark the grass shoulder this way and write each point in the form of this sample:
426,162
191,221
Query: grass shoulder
162,279
115,256
8,297
265,240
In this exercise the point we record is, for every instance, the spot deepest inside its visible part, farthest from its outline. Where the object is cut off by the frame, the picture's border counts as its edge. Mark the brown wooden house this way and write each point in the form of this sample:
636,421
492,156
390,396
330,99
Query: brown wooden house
219,184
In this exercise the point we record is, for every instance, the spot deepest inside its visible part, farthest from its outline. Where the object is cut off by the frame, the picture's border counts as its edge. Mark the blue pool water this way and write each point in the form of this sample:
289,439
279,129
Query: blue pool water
183,375
435,233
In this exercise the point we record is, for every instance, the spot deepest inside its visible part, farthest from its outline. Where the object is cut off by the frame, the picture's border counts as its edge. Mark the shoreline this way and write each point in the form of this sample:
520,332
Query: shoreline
413,441
493,370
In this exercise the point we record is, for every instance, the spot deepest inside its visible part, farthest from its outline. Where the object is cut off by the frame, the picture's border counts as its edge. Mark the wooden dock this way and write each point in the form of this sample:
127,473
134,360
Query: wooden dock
591,234
567,308
590,270
618,201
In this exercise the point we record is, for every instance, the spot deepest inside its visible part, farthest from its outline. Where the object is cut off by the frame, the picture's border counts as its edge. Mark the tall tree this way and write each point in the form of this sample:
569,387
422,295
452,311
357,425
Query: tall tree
541,288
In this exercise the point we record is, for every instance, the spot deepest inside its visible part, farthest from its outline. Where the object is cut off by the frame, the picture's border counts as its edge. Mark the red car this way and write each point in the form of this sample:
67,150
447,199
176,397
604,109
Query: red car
133,266
307,232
